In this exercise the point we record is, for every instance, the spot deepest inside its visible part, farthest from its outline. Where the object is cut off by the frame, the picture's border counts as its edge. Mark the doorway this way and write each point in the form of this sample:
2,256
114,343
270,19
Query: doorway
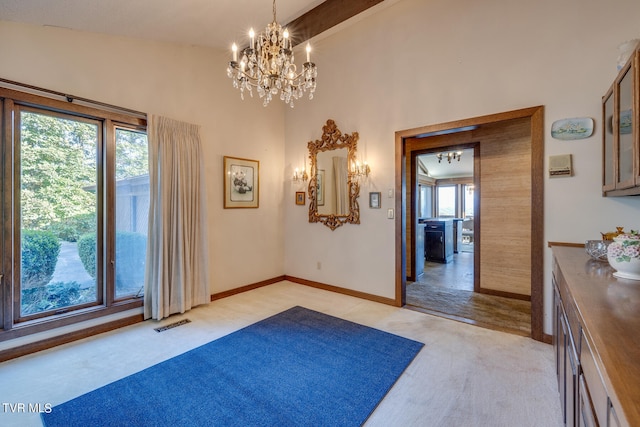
445,217
508,236
444,283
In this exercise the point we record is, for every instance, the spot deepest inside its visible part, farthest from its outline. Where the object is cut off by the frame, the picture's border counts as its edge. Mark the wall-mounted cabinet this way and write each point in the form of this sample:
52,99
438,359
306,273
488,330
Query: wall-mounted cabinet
620,141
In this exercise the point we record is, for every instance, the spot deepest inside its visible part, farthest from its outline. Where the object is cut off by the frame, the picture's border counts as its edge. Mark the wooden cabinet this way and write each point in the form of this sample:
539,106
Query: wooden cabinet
596,320
621,137
438,240
593,393
567,365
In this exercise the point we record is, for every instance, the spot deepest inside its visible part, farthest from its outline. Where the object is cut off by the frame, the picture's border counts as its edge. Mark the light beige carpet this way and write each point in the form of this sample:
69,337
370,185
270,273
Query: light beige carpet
464,376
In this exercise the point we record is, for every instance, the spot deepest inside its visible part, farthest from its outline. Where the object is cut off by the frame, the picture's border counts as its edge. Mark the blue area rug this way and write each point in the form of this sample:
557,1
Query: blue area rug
299,367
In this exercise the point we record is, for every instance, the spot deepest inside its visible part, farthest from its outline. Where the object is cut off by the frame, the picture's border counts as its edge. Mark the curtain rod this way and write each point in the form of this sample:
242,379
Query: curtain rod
71,98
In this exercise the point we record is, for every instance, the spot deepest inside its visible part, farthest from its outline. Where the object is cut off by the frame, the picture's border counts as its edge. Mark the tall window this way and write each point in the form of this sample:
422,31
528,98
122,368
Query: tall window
425,201
446,201
58,171
469,195
76,201
132,211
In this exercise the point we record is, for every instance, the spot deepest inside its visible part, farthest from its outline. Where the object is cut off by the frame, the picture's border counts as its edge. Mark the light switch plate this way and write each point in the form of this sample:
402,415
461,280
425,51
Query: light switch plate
390,213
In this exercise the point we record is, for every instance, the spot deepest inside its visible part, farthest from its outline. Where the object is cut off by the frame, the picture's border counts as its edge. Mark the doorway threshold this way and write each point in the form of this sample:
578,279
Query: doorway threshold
487,311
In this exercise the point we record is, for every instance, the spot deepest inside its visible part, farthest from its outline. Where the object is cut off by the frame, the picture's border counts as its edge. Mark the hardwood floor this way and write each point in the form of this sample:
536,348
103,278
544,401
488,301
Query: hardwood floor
446,290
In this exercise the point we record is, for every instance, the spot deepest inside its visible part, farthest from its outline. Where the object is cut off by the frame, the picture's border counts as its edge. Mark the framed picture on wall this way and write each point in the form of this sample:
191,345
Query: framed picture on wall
374,200
300,197
241,183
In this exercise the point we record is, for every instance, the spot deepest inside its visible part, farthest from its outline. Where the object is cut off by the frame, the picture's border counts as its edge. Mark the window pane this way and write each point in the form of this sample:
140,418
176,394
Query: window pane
468,200
447,201
609,173
57,212
625,128
426,201
132,211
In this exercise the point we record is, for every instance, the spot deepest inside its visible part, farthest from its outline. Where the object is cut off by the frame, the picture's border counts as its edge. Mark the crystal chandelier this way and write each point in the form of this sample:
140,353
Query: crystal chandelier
268,65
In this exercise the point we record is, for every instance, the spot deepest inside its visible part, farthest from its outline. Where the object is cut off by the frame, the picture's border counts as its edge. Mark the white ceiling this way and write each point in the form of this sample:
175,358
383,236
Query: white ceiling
444,169
211,23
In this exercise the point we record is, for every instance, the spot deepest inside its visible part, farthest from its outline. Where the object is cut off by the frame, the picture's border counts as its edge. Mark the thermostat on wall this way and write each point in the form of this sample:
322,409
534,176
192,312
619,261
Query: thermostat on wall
560,165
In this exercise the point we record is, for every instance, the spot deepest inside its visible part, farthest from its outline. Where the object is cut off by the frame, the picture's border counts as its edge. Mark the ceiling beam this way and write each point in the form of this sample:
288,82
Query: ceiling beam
324,16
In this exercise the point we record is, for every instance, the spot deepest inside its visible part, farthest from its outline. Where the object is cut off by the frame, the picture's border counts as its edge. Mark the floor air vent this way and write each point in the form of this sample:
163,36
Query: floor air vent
172,325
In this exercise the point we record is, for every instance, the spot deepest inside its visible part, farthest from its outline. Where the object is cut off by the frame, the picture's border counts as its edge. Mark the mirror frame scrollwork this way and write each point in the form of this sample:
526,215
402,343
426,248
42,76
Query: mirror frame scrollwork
334,139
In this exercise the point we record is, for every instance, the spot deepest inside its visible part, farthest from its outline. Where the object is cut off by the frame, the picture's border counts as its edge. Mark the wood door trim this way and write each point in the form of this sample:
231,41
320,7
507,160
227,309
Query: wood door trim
474,121
537,223
477,220
536,115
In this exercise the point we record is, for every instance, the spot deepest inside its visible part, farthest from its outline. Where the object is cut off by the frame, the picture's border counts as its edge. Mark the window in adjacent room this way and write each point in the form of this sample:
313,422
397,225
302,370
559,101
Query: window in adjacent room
446,201
469,195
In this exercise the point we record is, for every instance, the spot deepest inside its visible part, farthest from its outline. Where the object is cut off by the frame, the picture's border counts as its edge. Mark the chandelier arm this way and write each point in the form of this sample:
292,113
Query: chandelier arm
292,79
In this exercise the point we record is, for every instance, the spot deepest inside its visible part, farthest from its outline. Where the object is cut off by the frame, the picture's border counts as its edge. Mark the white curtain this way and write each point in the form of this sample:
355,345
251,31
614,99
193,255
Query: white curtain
340,180
177,277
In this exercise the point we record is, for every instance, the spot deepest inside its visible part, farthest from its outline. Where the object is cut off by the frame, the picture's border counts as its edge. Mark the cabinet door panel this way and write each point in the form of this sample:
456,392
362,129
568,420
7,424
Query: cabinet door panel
593,380
563,387
608,171
571,380
613,417
636,112
625,118
587,417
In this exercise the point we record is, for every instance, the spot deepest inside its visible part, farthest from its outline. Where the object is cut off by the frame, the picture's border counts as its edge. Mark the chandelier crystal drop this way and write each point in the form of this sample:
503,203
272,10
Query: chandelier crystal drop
267,65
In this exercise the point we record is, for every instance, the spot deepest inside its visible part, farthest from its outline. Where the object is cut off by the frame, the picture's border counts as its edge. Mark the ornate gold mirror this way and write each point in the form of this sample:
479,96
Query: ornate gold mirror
333,188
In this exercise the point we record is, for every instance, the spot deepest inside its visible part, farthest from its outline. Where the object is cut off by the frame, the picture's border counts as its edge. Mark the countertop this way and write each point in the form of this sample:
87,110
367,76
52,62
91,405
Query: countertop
438,219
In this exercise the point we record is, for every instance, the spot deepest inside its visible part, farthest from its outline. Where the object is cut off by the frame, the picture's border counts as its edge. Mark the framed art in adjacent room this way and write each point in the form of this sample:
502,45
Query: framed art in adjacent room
300,197
374,199
241,183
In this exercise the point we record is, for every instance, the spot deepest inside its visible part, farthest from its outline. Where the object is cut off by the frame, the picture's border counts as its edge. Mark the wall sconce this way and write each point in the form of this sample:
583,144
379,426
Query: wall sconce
451,155
300,176
360,170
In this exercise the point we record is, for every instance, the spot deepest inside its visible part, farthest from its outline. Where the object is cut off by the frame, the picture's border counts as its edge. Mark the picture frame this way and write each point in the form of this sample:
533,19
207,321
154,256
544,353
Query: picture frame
320,188
300,198
374,199
241,183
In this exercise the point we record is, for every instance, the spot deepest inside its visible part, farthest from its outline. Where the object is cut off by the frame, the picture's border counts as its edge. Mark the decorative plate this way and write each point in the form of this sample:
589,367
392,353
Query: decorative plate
570,129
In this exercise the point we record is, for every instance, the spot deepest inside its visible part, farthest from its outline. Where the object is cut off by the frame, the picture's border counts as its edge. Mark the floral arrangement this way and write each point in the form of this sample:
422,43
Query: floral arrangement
625,247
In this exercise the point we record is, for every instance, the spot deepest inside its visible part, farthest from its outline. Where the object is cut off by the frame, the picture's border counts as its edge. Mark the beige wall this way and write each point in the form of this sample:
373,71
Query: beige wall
184,83
416,63
408,63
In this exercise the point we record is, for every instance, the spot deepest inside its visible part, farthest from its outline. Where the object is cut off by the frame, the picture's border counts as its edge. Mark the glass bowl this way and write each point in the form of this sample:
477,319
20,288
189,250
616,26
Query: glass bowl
597,249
